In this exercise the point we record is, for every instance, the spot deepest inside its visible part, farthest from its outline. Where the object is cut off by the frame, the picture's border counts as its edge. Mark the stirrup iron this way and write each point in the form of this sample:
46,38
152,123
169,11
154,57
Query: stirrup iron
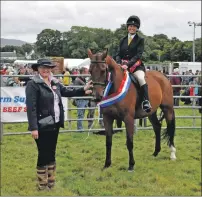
146,106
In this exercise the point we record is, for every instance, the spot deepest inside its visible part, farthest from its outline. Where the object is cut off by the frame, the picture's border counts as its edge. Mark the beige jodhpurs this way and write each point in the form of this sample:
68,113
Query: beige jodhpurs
140,76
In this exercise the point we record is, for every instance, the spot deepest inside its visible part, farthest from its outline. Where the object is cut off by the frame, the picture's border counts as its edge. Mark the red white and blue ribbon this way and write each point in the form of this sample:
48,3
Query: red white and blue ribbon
117,96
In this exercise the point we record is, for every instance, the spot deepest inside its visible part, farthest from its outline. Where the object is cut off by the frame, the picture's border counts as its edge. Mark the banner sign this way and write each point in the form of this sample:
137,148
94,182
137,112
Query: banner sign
13,106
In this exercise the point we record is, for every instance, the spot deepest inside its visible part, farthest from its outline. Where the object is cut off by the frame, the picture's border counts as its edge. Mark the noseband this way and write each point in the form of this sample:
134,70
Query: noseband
106,80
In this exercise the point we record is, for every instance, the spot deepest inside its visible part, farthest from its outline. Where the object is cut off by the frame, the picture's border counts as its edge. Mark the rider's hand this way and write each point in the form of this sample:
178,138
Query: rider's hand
35,134
125,67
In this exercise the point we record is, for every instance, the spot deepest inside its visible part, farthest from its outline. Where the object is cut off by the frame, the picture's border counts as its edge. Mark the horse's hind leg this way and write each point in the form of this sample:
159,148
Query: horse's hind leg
157,130
119,125
169,132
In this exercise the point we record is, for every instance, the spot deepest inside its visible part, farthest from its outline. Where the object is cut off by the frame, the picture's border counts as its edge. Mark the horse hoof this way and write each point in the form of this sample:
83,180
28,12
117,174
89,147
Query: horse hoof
173,158
107,166
131,169
155,154
104,168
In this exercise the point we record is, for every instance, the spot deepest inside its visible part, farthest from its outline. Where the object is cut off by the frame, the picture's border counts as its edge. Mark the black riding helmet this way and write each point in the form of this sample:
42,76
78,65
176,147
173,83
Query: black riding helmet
133,20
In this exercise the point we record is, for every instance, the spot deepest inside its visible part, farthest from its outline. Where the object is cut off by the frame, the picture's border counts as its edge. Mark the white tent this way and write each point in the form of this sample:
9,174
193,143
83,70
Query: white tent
25,62
76,63
85,63
72,63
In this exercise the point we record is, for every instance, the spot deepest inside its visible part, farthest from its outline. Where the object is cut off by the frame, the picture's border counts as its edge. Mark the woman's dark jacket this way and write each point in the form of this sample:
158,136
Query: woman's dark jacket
40,100
132,52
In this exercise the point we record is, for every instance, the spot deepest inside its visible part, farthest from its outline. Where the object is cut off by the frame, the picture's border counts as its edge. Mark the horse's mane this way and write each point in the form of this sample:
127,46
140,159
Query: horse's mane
111,62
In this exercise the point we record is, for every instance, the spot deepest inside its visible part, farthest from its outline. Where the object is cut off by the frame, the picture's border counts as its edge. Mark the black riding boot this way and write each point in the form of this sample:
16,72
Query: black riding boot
146,106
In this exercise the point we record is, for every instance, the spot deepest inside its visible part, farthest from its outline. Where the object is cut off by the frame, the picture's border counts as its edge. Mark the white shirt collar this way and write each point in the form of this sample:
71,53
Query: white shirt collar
50,77
132,36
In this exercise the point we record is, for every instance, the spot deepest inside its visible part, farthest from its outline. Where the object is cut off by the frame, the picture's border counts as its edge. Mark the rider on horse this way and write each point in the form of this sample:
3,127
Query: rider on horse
129,55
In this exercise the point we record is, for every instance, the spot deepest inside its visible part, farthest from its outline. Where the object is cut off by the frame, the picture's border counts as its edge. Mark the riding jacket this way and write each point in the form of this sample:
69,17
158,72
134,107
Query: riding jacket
132,52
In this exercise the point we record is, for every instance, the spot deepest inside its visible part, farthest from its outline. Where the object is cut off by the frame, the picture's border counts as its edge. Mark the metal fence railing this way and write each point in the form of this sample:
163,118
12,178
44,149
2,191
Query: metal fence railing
69,109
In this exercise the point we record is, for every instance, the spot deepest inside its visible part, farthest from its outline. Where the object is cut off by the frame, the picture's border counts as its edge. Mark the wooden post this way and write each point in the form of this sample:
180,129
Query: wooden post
1,136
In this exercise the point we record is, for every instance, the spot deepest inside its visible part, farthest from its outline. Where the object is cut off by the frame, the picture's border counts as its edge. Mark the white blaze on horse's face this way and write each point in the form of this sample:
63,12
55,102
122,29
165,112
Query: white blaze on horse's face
98,71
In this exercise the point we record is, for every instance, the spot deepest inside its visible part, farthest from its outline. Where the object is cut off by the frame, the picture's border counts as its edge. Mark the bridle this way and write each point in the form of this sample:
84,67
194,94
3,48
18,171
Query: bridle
106,77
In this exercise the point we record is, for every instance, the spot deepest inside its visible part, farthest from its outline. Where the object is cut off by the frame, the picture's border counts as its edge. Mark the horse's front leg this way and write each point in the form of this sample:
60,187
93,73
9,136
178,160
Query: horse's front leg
108,124
129,123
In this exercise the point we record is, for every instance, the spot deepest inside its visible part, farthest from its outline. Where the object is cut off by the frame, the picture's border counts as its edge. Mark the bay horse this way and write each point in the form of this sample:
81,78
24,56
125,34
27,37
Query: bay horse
129,108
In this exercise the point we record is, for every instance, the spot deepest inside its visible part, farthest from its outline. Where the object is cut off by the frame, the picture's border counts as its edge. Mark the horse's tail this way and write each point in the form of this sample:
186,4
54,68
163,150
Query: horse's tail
169,132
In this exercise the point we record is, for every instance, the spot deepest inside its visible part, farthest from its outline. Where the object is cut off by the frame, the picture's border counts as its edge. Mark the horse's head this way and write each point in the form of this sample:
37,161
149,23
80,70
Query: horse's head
99,71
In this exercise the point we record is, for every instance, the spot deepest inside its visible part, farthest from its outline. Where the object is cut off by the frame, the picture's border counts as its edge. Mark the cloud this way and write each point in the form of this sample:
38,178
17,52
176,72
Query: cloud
24,20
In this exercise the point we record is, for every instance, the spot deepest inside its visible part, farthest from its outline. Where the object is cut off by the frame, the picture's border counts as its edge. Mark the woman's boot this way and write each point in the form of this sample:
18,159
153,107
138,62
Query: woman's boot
42,175
51,175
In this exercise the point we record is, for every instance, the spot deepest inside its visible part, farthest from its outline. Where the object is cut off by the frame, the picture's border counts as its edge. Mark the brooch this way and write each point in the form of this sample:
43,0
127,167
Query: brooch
54,87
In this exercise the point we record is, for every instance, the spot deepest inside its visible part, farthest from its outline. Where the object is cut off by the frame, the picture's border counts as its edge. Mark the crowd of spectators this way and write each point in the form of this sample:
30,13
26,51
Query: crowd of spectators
193,79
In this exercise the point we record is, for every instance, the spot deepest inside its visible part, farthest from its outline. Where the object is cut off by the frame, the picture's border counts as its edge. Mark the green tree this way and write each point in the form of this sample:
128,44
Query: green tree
49,42
27,48
198,52
180,52
78,39
121,32
9,48
74,44
174,40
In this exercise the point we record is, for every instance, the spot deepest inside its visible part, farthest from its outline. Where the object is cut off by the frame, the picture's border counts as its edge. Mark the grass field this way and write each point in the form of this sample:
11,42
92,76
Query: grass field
80,162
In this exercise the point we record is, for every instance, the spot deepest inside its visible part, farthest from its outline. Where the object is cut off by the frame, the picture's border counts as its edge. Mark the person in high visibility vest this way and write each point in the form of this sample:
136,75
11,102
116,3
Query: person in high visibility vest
66,78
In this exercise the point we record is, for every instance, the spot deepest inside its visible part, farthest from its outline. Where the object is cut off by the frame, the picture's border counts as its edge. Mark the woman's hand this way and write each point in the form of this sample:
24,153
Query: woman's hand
125,67
35,134
88,92
87,87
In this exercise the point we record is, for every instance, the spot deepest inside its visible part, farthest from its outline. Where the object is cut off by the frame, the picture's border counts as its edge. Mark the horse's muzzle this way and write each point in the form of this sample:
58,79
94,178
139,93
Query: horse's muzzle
97,100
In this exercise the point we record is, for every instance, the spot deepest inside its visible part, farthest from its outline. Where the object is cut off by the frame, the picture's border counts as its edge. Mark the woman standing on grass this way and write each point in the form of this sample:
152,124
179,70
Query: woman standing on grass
46,115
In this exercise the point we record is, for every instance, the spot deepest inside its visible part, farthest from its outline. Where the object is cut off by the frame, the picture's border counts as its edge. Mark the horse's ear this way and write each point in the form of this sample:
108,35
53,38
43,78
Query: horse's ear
90,55
104,55
108,60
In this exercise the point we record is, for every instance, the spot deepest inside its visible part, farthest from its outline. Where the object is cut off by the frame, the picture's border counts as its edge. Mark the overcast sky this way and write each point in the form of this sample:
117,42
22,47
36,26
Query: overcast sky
24,20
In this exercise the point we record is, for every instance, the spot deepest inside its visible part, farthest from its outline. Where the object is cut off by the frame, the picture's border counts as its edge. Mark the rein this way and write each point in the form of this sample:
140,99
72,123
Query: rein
106,80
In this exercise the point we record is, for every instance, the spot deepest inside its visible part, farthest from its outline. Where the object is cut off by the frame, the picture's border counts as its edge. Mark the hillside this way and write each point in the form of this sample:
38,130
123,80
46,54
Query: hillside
12,42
